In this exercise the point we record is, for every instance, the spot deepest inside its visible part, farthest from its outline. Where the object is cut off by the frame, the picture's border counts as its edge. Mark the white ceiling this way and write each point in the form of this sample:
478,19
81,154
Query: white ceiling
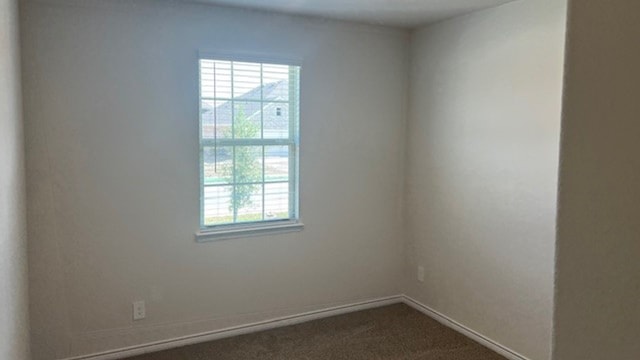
403,13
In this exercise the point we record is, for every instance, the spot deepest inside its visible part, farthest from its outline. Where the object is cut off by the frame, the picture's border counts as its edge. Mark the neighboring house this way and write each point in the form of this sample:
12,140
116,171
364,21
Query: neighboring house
253,104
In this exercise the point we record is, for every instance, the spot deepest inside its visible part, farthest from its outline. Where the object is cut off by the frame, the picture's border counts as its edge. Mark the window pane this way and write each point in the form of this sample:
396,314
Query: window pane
246,81
222,79
207,80
218,165
215,119
247,120
276,163
217,205
276,82
276,201
248,164
248,202
207,118
276,120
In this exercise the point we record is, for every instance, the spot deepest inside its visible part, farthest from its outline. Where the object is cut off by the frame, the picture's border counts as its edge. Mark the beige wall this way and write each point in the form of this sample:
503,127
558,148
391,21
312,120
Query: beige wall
483,136
598,255
13,248
112,126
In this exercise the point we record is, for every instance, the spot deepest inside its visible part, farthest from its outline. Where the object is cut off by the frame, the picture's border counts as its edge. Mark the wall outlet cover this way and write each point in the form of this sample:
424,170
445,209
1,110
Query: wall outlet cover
139,311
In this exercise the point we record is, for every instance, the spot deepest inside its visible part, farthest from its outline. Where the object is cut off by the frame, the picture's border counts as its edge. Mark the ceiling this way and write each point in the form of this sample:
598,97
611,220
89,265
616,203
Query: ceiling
402,13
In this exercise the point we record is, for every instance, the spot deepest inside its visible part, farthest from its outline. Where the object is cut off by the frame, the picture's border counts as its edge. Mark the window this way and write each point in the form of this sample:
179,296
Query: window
248,145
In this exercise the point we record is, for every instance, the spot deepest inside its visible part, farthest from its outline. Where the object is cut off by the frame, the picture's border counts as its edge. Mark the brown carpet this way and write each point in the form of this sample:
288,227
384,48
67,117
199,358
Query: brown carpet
390,332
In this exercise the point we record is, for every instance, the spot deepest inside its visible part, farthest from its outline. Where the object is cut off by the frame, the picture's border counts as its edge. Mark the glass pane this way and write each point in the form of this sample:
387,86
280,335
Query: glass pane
246,81
217,205
247,120
248,202
222,79
248,164
207,117
276,201
276,120
276,163
207,83
218,165
276,82
216,119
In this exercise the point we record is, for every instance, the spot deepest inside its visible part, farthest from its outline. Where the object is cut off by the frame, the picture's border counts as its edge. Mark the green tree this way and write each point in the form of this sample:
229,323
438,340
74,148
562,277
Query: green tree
246,167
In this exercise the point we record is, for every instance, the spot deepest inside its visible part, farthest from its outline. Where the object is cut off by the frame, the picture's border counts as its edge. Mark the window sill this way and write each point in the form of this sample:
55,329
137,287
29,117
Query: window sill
208,235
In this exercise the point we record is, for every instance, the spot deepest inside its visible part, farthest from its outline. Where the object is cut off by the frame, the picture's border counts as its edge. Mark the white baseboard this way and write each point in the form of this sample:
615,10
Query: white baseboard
301,318
240,330
472,334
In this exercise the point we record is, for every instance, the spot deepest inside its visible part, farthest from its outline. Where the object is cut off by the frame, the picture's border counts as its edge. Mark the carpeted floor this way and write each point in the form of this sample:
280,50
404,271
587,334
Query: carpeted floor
391,332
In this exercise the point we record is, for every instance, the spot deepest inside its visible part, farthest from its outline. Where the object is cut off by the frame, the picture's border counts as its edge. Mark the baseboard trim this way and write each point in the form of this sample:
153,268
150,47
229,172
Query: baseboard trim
240,330
464,330
298,319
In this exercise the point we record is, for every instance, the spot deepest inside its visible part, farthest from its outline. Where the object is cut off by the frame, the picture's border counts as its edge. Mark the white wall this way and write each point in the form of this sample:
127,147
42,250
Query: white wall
597,312
483,136
111,116
14,333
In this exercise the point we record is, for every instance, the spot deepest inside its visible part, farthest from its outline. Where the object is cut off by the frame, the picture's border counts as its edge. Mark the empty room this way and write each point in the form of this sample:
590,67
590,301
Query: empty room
319,179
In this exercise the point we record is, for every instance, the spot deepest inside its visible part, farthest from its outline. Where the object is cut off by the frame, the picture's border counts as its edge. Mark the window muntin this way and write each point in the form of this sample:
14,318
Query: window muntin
248,142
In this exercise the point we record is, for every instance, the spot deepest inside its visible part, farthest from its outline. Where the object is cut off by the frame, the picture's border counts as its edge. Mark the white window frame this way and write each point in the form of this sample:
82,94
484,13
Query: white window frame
264,227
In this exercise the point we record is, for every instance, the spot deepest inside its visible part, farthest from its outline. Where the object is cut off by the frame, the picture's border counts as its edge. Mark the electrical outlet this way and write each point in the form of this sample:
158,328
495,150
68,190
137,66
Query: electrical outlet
421,273
139,311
